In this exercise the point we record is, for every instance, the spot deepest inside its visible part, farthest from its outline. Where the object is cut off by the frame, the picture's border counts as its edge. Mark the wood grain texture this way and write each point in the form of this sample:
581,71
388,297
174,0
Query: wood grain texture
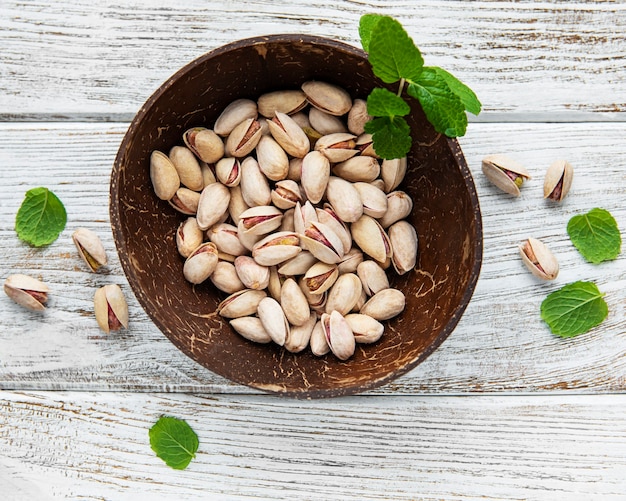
82,60
94,446
500,345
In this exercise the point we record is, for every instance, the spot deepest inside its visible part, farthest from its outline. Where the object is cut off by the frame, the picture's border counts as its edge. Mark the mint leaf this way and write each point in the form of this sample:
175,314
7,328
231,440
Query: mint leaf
391,136
463,92
41,217
174,441
366,25
442,107
574,309
392,53
595,235
384,103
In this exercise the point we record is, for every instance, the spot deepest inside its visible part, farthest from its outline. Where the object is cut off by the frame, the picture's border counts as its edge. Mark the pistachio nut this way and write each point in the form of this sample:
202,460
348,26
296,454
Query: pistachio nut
276,248
241,303
285,194
327,97
538,259
345,199
273,319
252,274
205,143
385,304
272,159
360,302
287,223
260,220
316,301
187,166
337,147
298,265
558,180
251,329
378,183
321,241
350,261
248,240
236,205
302,216
369,235
365,328
344,293
325,123
235,113
201,263
243,139
226,238
208,176
90,248
505,173
365,145
294,303
302,119
110,308
275,283
228,171
318,343
392,172
225,278
281,101
374,199
399,206
329,217
27,291
212,206
255,187
189,236
163,174
339,335
289,135
299,335
314,175
295,169
320,277
185,201
358,117
373,277
403,238
359,168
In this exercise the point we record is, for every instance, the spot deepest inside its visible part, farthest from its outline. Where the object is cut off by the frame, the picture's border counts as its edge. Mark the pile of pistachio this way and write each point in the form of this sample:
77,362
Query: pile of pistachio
294,216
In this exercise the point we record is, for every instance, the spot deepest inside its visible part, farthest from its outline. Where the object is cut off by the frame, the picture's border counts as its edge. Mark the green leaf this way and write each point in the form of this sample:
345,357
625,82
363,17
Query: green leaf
391,136
174,441
463,92
41,217
366,25
384,103
574,309
442,107
392,53
595,235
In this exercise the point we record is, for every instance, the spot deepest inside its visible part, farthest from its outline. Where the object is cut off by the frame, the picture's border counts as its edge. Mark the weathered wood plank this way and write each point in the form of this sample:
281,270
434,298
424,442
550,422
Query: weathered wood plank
500,345
95,446
76,59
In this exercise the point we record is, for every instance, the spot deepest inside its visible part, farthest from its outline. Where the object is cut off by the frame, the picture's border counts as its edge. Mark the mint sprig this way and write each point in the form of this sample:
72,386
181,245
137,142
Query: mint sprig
41,217
174,441
595,235
395,57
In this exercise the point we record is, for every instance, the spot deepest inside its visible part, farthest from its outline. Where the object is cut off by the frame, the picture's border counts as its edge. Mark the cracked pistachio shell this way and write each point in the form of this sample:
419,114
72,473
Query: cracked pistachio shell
282,101
185,201
327,97
373,277
226,238
244,138
228,171
365,144
315,173
369,235
241,303
365,328
110,308
344,294
276,248
403,238
298,265
187,166
212,206
558,180
538,259
235,113
201,263
27,291
337,147
339,335
358,117
318,343
250,328
399,206
294,303
289,135
329,217
225,278
252,274
302,216
505,173
299,335
374,199
205,143
320,277
321,241
255,188
286,194
273,320
385,304
90,248
248,240
188,237
316,301
163,174
350,261
359,168
325,123
261,220
392,172
272,159
345,199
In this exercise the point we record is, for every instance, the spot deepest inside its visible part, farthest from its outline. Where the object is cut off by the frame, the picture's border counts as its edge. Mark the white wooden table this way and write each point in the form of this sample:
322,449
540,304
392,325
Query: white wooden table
502,410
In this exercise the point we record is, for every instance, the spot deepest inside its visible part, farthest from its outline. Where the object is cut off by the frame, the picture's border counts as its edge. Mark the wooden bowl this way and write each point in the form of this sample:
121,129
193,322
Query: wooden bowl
446,215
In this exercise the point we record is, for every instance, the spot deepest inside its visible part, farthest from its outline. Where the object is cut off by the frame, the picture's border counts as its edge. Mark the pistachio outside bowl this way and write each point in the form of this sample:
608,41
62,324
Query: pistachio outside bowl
446,215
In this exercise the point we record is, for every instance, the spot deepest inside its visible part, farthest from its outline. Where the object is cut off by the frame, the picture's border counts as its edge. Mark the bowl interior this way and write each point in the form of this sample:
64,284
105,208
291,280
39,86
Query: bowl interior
446,215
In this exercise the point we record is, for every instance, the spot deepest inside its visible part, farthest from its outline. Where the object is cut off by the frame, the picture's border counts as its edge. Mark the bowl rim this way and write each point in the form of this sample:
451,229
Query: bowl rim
129,272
